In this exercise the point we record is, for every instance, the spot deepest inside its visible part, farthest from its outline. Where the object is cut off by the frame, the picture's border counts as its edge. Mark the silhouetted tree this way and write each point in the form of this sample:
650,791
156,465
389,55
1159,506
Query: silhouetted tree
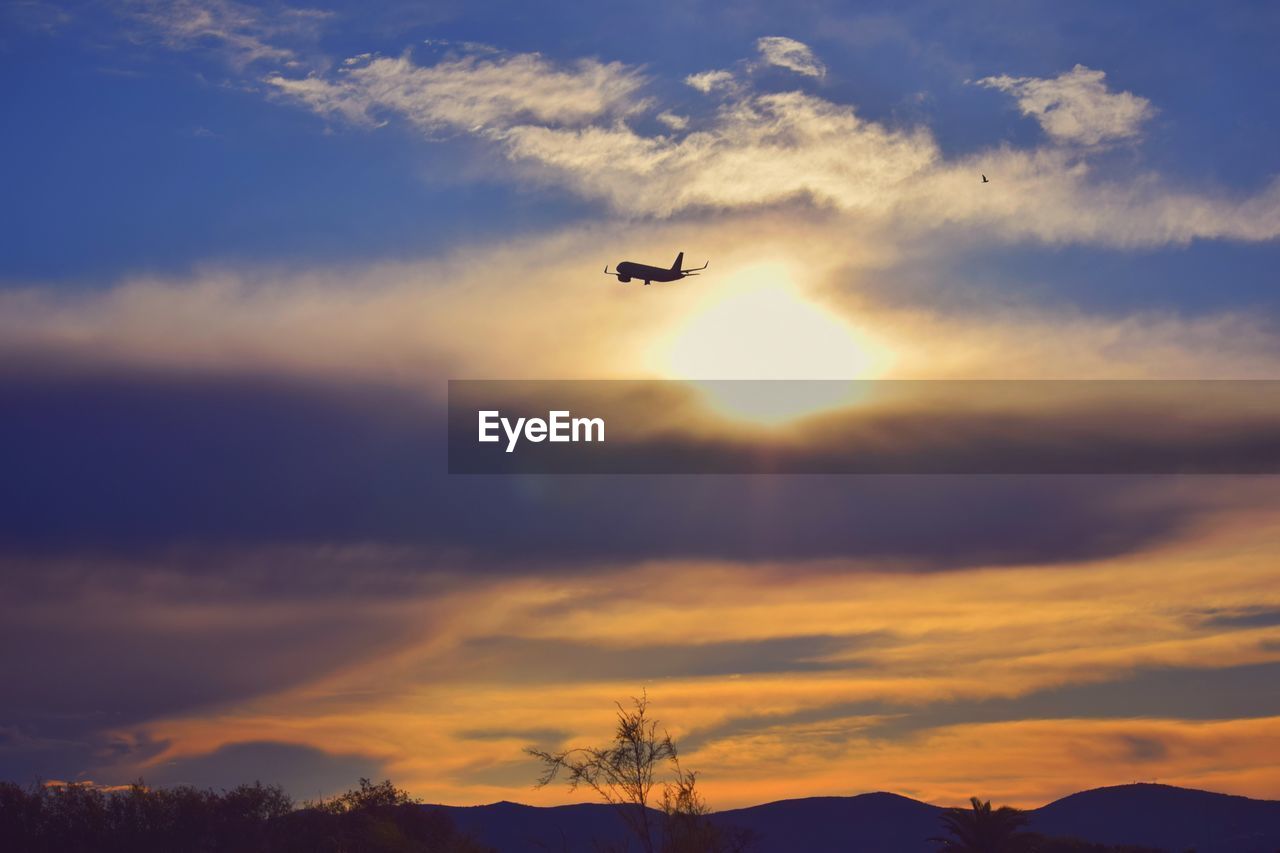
373,818
625,772
686,823
981,829
249,819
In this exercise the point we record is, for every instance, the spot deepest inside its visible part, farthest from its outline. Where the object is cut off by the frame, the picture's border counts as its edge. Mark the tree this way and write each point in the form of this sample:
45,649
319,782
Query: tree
373,818
248,819
688,827
981,829
625,772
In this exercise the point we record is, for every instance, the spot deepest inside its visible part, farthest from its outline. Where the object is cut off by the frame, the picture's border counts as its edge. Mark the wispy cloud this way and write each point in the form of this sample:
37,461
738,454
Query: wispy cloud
756,150
424,319
1076,106
567,125
246,34
709,81
943,651
673,121
790,54
470,93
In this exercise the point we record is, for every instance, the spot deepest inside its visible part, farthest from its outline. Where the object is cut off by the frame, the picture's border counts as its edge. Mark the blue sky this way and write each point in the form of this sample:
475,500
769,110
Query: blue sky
129,154
246,246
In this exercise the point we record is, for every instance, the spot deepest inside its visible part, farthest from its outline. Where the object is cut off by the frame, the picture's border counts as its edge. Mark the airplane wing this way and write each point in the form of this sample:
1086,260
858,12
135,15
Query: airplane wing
692,270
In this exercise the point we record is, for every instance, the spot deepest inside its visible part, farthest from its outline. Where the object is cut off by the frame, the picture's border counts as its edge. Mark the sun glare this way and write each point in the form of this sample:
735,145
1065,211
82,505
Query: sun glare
762,326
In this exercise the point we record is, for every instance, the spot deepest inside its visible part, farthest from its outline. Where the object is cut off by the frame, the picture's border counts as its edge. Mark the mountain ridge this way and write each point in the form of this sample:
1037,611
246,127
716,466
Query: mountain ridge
1164,817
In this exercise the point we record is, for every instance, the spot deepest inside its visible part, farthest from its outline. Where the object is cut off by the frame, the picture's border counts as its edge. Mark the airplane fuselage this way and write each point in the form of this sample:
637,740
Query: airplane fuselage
644,272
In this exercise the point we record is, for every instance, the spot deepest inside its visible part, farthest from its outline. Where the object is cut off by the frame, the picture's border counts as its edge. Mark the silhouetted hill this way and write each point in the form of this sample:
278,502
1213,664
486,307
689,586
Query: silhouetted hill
514,827
1164,816
1159,816
881,823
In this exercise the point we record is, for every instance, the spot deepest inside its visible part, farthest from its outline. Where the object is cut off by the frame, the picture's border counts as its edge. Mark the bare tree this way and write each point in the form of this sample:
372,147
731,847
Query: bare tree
624,772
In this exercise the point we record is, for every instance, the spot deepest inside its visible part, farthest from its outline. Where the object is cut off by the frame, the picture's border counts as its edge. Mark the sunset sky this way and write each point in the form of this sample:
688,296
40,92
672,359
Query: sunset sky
246,246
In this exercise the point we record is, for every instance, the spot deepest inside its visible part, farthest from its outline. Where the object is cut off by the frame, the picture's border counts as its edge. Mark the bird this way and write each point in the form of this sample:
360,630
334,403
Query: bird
984,179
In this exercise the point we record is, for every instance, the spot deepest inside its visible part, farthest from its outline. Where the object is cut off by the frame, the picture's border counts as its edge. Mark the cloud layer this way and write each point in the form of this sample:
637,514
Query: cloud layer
470,93
569,126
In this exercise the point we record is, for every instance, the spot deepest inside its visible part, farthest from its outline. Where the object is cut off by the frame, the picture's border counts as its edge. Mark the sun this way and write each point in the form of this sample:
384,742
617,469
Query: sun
760,325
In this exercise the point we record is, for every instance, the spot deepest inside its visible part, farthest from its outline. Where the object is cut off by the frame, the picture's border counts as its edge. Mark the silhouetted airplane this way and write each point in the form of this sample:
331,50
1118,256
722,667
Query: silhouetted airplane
984,179
628,270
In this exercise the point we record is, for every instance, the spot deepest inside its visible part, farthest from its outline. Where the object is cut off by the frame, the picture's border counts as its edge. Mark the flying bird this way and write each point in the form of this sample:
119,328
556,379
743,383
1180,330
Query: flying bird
984,179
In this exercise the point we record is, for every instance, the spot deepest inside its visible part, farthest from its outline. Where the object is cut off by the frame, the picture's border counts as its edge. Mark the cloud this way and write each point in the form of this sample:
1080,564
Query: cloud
566,126
516,660
470,93
956,662
167,469
169,635
791,147
673,121
709,81
1244,618
757,150
303,770
180,654
411,324
246,34
1023,763
1076,107
36,16
790,54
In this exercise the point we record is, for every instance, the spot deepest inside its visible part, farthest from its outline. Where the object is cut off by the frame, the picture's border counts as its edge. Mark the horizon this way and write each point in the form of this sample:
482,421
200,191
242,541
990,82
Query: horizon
250,245
964,804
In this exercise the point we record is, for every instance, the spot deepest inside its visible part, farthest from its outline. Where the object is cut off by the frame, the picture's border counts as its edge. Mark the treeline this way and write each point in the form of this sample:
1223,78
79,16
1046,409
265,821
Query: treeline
373,818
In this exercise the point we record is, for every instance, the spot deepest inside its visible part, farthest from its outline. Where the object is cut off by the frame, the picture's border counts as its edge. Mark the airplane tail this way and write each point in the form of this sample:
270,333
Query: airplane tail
679,260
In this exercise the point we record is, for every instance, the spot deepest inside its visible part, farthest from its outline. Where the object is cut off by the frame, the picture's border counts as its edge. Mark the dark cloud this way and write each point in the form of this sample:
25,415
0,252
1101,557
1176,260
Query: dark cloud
125,465
103,661
303,771
1177,693
542,736
1143,747
889,427
1249,617
524,659
171,543
86,660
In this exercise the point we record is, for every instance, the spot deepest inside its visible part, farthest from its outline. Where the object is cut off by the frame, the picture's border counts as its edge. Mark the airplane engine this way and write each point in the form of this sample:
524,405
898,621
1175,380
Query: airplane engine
624,278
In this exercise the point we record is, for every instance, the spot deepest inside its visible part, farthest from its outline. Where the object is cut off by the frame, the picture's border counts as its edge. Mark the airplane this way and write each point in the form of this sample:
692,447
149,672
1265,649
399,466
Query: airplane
628,270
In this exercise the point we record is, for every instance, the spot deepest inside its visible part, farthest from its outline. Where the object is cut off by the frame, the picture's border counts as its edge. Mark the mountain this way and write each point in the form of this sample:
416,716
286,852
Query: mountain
881,823
1159,816
1163,816
514,828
